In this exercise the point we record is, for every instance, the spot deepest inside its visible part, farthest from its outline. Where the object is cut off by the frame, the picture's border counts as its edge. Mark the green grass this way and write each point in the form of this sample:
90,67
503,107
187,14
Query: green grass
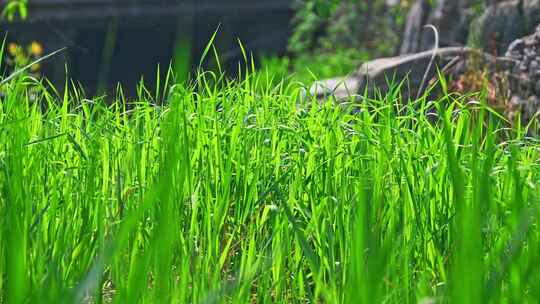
310,67
236,192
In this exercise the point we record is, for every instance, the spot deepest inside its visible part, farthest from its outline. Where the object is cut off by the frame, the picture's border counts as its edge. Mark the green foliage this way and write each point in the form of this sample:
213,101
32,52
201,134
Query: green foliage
309,67
243,191
307,24
14,8
332,38
328,26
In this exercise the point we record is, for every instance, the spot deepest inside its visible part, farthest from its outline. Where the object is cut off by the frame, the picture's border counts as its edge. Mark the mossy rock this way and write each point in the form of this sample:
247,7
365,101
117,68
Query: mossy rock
503,23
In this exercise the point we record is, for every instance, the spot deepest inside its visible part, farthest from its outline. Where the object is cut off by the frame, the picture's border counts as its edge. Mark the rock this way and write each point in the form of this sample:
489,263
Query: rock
374,76
524,77
502,23
341,88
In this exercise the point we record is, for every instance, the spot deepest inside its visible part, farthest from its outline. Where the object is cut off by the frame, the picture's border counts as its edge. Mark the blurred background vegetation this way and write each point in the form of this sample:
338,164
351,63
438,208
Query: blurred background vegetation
300,40
333,37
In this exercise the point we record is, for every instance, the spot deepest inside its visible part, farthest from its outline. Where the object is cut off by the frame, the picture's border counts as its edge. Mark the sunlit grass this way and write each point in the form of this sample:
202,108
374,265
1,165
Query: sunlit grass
241,191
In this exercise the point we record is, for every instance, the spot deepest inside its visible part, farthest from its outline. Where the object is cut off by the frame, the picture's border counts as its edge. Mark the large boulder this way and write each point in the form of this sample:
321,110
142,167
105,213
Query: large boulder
513,81
377,76
459,23
524,77
502,23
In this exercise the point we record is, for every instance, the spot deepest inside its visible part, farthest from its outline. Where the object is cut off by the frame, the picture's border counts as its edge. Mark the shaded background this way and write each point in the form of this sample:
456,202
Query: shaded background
118,41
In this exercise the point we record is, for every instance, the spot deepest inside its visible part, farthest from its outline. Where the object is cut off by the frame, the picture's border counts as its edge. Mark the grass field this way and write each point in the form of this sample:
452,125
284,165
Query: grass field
236,192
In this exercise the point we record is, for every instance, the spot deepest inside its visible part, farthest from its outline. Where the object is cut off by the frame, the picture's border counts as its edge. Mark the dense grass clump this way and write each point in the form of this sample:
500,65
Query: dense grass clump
243,192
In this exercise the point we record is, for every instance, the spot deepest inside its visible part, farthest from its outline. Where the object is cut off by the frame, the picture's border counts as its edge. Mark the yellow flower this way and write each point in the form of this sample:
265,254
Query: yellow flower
34,68
36,49
13,49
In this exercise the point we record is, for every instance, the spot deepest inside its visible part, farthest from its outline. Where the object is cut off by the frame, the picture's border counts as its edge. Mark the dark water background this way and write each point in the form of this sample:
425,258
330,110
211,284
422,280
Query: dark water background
118,41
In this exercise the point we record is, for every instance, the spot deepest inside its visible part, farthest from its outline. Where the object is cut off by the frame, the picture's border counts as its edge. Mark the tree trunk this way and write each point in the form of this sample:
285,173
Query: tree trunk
450,17
412,36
